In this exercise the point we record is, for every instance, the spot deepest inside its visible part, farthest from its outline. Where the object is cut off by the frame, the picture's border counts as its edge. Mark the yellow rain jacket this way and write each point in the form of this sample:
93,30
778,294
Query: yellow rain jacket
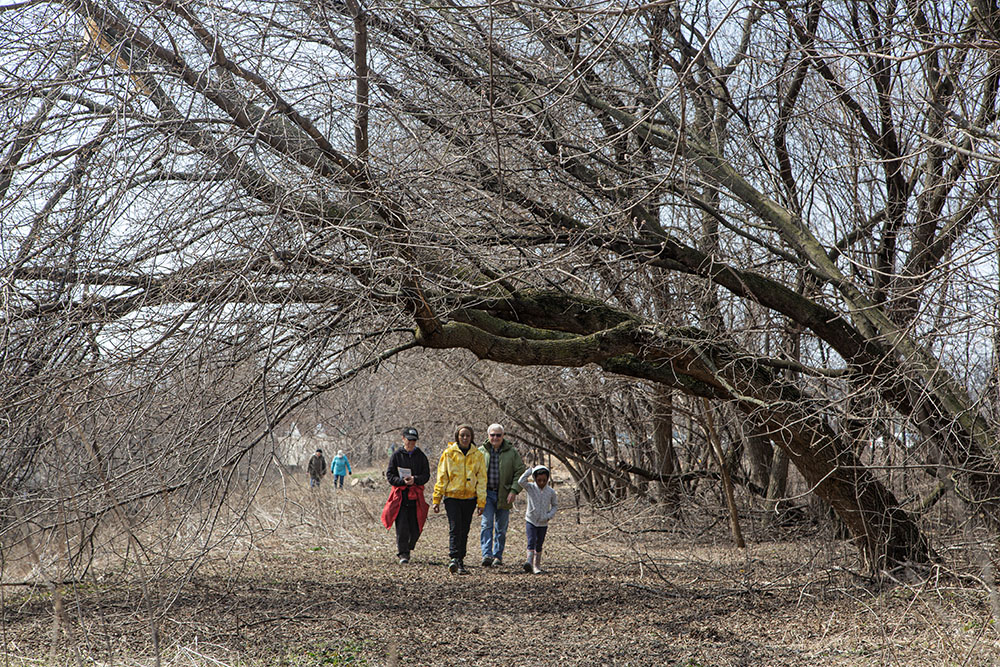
461,476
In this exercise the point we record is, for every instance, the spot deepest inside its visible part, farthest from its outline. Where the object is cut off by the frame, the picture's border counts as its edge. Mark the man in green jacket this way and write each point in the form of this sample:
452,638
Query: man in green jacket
503,468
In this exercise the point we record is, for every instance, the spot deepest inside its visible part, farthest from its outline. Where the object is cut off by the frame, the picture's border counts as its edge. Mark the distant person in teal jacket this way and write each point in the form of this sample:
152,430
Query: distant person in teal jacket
339,467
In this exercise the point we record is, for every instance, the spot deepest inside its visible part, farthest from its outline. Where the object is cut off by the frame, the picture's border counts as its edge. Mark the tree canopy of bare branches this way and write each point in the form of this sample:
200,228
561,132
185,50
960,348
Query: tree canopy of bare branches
785,207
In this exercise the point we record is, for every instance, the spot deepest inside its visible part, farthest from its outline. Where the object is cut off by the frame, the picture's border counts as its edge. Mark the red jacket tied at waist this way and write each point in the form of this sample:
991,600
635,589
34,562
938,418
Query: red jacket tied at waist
395,501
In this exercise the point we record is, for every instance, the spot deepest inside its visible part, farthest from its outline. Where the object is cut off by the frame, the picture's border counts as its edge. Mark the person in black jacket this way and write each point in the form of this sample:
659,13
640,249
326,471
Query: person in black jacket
407,472
316,468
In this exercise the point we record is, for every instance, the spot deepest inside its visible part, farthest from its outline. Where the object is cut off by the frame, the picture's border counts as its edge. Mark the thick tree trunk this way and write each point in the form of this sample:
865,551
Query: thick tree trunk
777,482
881,529
669,485
760,456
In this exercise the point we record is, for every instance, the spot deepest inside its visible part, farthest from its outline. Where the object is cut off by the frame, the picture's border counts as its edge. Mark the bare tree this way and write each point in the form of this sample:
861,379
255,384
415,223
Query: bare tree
303,189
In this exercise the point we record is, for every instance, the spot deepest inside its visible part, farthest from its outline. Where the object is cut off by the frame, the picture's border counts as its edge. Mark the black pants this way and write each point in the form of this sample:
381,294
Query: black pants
459,519
407,529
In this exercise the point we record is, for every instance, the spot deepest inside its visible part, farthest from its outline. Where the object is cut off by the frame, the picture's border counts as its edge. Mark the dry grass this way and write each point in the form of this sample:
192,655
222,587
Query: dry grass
311,580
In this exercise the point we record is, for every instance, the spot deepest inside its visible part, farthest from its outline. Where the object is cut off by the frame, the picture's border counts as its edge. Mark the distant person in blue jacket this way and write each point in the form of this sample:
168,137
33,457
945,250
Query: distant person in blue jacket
339,467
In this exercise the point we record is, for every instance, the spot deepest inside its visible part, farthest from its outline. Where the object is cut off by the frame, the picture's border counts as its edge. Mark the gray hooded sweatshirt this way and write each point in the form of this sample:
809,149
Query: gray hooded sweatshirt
541,502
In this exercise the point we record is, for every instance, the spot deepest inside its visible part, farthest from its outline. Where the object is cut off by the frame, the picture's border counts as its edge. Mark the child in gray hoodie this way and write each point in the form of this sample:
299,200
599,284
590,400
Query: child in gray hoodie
541,507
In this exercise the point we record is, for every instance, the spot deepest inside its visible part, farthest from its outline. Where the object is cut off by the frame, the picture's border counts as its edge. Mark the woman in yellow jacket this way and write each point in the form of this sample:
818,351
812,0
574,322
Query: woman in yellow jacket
461,482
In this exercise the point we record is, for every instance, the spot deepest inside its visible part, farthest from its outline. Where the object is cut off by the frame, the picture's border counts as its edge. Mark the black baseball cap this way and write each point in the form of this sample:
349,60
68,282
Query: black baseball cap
410,433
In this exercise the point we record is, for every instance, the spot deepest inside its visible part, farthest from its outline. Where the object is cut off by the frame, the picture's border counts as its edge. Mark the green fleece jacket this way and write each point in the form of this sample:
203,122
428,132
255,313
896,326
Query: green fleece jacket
511,467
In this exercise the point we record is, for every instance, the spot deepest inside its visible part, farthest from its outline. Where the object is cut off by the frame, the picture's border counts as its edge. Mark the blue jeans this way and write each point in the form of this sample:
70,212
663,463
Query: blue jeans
493,528
338,481
313,481
536,536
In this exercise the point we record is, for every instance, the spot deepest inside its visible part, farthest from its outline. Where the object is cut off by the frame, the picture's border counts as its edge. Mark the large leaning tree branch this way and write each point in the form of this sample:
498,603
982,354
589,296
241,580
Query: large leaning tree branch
560,330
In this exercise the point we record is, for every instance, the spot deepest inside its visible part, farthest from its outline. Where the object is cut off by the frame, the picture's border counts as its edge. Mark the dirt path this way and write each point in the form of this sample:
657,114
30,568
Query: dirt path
330,592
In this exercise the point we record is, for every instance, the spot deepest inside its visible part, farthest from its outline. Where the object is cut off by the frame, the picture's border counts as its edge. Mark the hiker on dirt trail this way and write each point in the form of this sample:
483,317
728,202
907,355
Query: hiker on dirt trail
339,466
407,472
503,467
541,508
316,468
461,482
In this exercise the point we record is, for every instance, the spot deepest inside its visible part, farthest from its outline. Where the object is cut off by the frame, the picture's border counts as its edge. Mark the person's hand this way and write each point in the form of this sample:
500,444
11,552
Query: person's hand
510,498
437,508
479,511
408,480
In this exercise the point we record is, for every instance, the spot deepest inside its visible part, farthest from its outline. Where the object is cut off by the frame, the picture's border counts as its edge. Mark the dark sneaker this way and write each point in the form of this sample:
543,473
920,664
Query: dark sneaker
403,560
497,562
461,567
527,567
487,562
453,566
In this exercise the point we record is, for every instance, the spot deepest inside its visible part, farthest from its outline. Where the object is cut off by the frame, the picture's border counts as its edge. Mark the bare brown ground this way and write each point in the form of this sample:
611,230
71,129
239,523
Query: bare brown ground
322,587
